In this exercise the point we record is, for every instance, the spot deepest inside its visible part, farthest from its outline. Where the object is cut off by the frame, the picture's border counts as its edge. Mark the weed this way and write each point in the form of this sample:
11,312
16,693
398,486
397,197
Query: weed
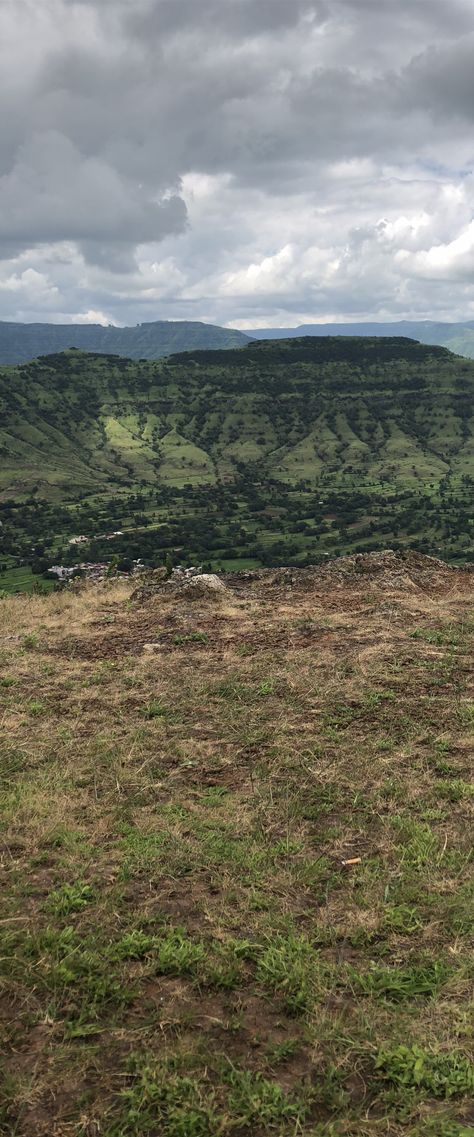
282,1051
441,1075
69,898
403,920
439,636
266,687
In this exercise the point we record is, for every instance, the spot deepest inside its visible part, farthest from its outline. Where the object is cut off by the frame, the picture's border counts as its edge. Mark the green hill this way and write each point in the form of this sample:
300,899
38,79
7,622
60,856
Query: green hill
22,342
281,450
456,337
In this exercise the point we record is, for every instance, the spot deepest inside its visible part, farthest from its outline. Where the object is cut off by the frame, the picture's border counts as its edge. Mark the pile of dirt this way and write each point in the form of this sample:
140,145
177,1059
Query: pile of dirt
394,567
388,568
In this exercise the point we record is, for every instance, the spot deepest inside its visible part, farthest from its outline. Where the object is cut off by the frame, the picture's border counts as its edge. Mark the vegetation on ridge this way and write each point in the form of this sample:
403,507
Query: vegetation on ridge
458,337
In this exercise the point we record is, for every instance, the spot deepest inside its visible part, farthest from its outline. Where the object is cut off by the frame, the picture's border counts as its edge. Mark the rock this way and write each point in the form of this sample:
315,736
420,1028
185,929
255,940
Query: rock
206,584
180,584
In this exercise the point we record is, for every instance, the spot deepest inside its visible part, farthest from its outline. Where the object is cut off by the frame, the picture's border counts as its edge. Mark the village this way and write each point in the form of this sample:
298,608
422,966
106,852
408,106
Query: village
91,570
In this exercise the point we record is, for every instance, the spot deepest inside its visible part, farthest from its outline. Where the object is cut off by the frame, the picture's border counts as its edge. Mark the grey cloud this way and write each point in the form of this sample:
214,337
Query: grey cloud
441,79
239,18
55,192
113,105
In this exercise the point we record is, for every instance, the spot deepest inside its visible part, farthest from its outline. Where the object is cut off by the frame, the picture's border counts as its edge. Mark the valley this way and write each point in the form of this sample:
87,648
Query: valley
278,452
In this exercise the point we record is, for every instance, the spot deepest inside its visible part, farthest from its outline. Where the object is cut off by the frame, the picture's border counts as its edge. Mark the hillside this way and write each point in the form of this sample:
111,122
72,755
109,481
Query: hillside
456,337
280,451
237,881
384,410
20,343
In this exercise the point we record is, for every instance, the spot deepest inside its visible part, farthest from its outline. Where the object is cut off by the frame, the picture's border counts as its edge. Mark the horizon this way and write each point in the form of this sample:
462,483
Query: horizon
236,326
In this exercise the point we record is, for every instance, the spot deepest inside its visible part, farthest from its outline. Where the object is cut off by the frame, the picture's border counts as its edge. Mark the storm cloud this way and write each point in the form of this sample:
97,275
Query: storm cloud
240,161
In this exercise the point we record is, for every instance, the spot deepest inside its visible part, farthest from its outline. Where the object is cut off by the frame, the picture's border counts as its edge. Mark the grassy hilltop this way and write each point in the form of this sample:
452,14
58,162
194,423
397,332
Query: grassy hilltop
237,857
278,451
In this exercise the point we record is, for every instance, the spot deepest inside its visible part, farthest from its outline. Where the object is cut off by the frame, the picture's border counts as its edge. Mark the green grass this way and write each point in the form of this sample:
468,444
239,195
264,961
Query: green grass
238,888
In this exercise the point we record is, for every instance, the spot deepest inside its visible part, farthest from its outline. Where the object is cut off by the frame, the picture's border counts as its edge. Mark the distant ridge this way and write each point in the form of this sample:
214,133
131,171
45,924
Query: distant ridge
19,343
457,337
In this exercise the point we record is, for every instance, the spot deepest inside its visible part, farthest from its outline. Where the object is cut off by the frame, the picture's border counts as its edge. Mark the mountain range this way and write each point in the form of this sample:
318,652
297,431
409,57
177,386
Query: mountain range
20,343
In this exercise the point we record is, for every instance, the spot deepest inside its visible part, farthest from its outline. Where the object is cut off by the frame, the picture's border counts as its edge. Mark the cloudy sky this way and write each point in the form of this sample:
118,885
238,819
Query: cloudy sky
243,162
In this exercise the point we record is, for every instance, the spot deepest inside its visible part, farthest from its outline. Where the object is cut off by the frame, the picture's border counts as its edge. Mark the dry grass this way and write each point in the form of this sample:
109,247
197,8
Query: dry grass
187,948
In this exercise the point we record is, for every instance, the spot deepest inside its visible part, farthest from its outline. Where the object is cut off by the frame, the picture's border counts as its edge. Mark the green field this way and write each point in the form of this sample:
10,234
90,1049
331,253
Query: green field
23,580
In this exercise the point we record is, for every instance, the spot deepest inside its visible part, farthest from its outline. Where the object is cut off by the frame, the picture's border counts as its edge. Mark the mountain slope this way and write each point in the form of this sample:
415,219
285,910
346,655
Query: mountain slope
382,410
22,342
279,451
457,337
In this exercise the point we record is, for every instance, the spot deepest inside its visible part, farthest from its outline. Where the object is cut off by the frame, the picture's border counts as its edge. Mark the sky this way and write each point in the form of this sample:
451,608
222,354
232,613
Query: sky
241,162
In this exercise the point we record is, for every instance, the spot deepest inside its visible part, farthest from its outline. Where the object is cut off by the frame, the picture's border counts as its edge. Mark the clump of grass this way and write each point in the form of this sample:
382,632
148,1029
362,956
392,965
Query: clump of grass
255,1101
30,642
162,1101
191,638
171,952
155,710
36,707
456,790
133,945
175,953
400,984
289,966
419,843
